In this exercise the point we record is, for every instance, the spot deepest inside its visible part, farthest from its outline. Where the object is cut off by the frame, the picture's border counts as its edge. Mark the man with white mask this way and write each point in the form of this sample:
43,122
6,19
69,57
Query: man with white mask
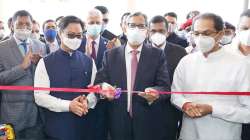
136,67
229,30
158,32
67,115
241,47
212,69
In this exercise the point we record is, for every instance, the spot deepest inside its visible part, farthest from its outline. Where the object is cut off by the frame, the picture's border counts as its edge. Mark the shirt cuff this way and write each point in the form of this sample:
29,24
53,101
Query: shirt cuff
92,100
65,105
217,110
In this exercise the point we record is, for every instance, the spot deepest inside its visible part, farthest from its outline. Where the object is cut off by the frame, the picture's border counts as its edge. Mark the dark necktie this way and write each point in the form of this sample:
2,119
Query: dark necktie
93,54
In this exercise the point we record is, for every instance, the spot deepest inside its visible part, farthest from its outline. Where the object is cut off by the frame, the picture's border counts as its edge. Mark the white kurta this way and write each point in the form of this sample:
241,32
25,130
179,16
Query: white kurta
220,71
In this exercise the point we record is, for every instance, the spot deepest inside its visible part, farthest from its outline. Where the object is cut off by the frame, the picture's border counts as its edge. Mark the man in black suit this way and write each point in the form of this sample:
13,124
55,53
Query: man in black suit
136,67
171,18
93,44
158,27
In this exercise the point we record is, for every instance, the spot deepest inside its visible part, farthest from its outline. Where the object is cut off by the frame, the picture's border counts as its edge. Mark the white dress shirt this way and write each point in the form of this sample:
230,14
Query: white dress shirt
44,99
54,46
162,47
128,55
220,71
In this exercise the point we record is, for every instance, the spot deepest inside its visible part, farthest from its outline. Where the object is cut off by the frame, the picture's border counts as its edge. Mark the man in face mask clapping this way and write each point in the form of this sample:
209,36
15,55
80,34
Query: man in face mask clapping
94,44
17,68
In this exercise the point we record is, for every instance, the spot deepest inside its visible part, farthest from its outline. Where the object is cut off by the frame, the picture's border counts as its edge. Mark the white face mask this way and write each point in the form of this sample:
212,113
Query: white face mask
1,34
22,34
158,39
73,44
226,39
35,36
244,37
136,36
204,43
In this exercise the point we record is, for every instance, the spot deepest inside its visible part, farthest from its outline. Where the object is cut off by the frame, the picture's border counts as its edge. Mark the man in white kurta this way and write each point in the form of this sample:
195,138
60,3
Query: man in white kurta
217,71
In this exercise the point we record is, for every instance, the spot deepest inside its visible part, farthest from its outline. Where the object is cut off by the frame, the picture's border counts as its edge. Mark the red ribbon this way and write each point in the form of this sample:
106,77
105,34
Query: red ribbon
97,89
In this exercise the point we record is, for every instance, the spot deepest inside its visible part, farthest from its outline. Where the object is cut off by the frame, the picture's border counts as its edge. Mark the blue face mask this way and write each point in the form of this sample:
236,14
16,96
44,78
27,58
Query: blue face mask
50,35
94,30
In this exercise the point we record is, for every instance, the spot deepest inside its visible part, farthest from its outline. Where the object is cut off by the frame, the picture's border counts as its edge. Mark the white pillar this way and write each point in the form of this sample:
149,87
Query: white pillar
245,6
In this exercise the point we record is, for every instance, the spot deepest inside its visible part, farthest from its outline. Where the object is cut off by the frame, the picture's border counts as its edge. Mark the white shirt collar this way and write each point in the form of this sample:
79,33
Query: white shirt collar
162,47
18,42
128,48
96,40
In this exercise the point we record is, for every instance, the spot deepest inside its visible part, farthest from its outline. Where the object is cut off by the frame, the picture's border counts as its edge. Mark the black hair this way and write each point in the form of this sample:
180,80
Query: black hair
159,19
102,9
69,19
217,20
47,21
229,26
21,13
139,14
171,14
35,22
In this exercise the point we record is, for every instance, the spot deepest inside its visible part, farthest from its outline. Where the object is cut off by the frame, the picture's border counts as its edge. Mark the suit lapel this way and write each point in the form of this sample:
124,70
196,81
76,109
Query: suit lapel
142,65
101,49
14,49
122,67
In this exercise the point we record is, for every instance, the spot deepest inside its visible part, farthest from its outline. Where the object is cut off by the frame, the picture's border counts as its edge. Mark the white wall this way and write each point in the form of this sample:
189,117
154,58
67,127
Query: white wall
50,9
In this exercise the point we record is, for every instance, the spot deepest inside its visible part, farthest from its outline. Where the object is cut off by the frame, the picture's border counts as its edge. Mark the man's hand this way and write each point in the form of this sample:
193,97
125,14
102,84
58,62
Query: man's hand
35,58
196,110
150,95
108,91
191,110
26,60
204,109
78,106
111,43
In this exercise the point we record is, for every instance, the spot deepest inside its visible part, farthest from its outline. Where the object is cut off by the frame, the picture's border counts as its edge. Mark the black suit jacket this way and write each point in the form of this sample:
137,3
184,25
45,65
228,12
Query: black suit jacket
173,53
102,48
148,120
174,38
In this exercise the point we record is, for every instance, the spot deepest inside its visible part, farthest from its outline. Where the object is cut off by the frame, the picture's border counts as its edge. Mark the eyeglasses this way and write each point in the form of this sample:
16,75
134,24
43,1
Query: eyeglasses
139,26
205,33
74,35
105,20
94,22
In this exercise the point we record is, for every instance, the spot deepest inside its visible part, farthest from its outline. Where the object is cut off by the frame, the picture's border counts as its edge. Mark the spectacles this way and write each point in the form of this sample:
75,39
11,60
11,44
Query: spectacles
205,33
74,35
105,20
139,26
